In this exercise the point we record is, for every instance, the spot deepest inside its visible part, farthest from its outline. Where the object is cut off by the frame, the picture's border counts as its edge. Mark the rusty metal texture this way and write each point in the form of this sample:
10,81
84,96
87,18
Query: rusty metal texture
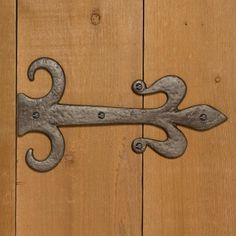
46,115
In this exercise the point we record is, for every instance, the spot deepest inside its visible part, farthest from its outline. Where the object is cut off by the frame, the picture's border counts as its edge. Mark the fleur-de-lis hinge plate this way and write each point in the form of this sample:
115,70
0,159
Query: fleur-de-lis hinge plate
46,115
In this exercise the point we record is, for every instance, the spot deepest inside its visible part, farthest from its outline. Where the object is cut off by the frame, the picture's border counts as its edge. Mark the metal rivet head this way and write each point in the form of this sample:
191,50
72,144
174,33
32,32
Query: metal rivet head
35,115
138,146
101,115
138,86
203,117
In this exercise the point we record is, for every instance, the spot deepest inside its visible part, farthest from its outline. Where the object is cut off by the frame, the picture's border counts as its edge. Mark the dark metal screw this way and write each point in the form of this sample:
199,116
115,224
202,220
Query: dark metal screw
203,117
138,146
36,115
101,115
138,86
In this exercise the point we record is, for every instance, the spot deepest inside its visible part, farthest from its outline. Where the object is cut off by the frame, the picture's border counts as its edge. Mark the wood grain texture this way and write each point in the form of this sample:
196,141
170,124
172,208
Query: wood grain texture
195,194
96,189
7,116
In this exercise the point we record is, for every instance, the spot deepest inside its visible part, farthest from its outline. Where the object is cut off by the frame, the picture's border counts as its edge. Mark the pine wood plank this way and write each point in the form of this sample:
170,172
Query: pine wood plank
7,116
96,189
195,194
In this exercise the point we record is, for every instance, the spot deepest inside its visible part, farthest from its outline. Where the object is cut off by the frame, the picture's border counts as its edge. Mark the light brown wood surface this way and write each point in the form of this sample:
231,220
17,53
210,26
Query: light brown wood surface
96,189
195,194
7,116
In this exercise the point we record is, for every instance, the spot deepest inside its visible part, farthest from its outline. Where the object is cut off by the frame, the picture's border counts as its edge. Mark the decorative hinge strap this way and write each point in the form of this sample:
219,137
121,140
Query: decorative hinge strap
46,115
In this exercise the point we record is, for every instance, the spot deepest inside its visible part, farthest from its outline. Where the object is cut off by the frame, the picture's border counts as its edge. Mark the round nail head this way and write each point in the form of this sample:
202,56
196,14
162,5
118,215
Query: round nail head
101,115
138,146
203,117
138,86
36,115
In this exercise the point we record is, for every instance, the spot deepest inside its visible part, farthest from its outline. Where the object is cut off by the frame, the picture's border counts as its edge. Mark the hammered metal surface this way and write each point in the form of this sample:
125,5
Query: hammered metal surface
45,115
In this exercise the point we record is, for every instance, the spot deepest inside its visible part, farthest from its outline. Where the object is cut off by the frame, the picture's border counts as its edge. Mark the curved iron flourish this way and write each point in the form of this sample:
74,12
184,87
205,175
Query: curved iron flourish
167,117
45,115
33,114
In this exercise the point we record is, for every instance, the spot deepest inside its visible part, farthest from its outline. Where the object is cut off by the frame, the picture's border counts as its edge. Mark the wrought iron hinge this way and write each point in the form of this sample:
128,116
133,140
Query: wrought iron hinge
46,115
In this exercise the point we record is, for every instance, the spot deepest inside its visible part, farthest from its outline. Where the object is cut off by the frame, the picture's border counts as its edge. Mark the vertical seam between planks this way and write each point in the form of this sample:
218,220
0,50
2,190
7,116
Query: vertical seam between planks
143,47
16,77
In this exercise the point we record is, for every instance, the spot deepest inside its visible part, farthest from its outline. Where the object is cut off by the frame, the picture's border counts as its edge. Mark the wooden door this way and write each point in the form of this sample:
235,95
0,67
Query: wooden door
101,187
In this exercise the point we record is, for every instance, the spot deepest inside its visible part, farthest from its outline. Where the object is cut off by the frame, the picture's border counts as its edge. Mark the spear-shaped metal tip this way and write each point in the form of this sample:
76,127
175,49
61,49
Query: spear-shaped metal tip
201,117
